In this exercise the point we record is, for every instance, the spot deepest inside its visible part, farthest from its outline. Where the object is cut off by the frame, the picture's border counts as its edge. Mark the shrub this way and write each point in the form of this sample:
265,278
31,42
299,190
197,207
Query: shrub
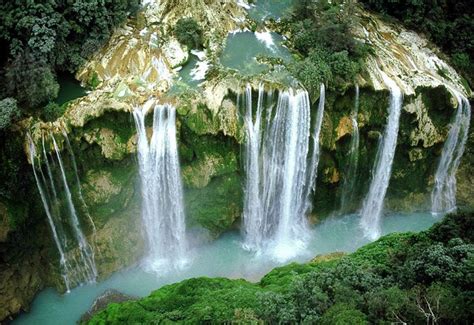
312,71
31,81
189,33
321,32
8,111
52,111
401,278
342,314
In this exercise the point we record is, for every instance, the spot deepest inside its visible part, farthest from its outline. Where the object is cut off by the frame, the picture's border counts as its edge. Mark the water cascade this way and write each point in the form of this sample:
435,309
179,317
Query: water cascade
279,174
163,210
443,197
78,183
76,257
350,174
315,153
86,254
373,202
64,265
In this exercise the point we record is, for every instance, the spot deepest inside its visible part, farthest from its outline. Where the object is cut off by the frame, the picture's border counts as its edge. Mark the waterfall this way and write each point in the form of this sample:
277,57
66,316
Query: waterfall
76,256
278,176
373,202
443,197
85,250
350,174
254,221
163,210
78,182
314,162
44,199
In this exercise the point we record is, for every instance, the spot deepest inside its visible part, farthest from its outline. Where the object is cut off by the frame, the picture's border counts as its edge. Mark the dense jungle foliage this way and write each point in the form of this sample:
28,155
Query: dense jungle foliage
448,23
41,38
321,33
413,278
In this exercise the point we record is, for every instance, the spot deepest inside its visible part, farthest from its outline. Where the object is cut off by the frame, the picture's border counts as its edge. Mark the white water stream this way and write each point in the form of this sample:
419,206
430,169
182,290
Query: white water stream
372,207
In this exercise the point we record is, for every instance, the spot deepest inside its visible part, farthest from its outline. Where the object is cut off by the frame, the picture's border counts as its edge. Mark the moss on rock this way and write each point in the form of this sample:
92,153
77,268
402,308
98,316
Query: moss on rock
216,206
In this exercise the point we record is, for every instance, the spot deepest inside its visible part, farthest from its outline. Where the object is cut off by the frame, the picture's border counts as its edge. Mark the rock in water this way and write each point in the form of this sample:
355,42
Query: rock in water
101,302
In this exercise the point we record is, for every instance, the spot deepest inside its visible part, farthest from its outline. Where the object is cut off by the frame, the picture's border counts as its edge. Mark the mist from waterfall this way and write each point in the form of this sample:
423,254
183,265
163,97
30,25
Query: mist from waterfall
162,194
350,174
373,203
76,256
279,174
443,196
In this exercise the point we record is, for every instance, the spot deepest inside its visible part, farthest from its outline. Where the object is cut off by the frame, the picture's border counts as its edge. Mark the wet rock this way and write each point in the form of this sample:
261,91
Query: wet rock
21,273
374,135
109,142
425,131
344,127
100,187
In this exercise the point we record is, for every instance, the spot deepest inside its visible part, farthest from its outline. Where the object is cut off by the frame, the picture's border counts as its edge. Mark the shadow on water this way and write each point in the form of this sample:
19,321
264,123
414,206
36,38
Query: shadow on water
69,89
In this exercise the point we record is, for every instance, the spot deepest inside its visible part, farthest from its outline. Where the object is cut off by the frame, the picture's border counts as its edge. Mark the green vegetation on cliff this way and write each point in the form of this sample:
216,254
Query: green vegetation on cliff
48,36
8,112
404,277
321,32
189,33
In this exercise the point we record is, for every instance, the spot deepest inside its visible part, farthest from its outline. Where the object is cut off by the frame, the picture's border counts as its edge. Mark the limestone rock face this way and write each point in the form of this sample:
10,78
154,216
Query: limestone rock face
100,187
199,174
176,54
109,143
19,284
425,132
119,243
465,180
344,127
405,57
23,270
216,17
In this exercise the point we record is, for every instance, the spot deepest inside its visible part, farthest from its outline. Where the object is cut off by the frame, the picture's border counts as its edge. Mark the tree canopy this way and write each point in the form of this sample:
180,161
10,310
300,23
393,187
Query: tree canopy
49,36
321,33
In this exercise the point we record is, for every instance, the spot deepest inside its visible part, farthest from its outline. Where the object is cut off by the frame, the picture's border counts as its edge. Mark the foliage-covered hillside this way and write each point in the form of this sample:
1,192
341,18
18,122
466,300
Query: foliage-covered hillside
405,277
